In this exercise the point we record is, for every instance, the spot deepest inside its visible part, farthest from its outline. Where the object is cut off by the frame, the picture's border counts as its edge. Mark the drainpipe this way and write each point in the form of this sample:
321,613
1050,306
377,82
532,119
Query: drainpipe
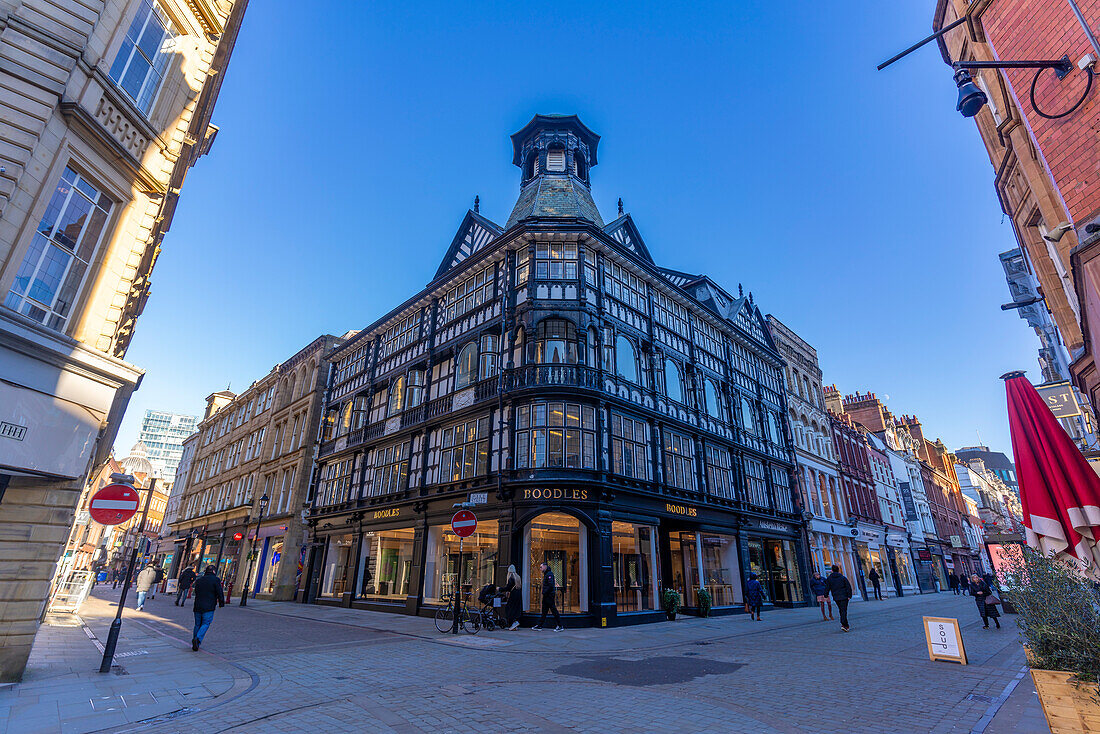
1085,26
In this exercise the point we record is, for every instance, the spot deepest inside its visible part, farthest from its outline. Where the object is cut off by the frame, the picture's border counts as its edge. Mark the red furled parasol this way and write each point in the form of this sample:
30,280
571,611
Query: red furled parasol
1059,491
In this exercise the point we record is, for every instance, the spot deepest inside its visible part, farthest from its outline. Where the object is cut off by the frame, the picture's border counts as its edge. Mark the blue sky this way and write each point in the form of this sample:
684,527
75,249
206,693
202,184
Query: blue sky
753,141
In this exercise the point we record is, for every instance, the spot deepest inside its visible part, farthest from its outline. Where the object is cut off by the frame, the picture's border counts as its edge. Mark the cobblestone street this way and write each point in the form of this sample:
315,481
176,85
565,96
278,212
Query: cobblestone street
290,667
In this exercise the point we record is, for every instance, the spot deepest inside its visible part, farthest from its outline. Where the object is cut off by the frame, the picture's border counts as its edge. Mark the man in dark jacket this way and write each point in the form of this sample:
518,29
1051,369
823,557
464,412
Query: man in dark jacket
841,591
549,588
186,579
208,597
953,582
876,582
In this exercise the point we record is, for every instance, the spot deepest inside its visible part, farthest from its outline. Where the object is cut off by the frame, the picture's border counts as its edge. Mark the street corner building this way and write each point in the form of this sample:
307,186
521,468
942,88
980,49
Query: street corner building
623,422
106,105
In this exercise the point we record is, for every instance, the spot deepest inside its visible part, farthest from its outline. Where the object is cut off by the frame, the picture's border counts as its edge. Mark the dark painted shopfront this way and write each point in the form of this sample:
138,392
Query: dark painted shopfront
610,561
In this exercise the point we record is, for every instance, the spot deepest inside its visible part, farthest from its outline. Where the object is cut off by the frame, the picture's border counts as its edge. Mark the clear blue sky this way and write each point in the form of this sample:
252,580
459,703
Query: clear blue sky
753,141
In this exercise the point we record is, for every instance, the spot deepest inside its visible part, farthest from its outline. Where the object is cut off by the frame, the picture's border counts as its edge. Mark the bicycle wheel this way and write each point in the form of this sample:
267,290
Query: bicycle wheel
471,621
444,619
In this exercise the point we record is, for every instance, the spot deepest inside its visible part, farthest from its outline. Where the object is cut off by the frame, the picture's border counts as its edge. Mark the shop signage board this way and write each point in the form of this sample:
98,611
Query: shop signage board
464,523
1060,398
114,504
944,639
924,554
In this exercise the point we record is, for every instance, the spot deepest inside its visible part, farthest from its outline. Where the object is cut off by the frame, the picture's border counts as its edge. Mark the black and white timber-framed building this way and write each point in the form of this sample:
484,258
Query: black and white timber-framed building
624,422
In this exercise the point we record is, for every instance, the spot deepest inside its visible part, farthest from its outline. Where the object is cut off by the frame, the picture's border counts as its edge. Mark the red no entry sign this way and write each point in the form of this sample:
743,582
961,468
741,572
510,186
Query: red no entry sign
114,504
464,523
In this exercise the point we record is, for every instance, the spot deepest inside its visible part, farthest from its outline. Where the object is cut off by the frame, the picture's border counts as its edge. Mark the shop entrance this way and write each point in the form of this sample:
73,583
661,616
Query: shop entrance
775,563
560,541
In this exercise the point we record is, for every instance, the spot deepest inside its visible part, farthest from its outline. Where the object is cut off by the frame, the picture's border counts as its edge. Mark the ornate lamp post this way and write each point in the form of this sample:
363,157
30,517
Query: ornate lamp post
252,554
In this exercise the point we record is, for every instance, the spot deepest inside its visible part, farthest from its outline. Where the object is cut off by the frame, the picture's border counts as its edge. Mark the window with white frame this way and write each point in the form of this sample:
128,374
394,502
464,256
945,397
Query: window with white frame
142,60
391,467
624,286
679,460
465,451
556,260
401,334
629,447
469,294
719,477
756,482
49,279
555,435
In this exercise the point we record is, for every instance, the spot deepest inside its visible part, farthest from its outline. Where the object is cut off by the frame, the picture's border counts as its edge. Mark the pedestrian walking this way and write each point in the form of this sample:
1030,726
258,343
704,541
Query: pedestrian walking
184,584
117,576
876,582
953,583
754,597
840,589
156,582
985,600
549,587
513,598
208,597
820,589
144,582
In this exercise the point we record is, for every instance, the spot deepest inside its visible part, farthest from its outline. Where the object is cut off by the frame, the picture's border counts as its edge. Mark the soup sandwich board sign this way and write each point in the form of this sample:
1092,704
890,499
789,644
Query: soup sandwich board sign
944,639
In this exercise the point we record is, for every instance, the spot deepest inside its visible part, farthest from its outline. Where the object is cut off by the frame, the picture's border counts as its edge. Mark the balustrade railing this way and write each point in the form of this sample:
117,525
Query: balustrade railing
542,375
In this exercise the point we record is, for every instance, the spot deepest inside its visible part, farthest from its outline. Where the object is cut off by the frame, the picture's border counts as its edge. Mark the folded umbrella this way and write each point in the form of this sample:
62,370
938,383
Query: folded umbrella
1059,491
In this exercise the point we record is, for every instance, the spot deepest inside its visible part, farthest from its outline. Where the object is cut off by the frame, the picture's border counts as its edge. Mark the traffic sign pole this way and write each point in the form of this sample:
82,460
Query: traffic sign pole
463,523
116,625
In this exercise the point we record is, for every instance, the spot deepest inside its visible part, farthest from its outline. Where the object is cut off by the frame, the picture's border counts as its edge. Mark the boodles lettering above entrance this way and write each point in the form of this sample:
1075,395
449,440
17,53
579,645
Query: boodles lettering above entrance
392,512
555,494
682,510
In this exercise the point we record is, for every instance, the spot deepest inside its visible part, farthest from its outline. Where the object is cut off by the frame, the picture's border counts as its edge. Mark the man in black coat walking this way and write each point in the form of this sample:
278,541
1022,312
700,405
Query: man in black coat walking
549,588
876,582
208,597
186,579
840,588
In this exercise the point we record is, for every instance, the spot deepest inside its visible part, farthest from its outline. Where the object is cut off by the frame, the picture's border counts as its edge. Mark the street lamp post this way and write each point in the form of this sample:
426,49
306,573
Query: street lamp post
252,554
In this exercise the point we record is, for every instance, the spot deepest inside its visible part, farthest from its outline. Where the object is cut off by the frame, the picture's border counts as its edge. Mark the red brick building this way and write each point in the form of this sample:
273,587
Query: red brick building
1044,151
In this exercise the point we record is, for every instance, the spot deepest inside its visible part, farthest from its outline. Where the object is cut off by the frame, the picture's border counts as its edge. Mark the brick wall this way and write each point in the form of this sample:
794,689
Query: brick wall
1040,29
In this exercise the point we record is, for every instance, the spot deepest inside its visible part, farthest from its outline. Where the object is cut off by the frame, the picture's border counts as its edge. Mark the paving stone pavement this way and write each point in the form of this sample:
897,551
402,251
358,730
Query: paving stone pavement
283,667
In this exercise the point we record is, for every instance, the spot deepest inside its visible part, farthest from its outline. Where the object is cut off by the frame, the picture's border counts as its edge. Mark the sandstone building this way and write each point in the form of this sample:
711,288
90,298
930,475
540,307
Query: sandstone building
104,106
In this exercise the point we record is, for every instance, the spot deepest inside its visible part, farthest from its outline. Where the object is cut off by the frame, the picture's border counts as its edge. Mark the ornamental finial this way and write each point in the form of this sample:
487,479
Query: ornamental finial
477,203
620,206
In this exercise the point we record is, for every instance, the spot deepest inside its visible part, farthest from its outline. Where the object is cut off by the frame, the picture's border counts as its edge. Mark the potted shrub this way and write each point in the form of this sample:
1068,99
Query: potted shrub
670,602
1059,620
704,602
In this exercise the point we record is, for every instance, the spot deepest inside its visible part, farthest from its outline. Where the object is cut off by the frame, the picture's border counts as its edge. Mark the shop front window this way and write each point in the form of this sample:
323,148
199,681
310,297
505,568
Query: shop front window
904,566
337,558
721,575
385,566
443,563
271,566
635,570
561,541
685,566
775,563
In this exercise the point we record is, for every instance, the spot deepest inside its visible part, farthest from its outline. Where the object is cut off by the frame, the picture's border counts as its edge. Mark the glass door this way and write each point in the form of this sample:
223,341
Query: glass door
758,564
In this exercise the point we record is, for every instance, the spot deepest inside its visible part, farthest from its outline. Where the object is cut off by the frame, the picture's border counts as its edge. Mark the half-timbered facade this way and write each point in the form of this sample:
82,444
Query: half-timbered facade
624,422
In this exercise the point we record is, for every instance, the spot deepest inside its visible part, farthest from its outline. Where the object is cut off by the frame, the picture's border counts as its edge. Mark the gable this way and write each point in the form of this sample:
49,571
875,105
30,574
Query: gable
474,234
749,319
623,231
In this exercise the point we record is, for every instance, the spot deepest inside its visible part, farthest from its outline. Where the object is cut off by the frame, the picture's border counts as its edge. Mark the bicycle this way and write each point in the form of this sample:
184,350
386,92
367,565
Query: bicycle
444,618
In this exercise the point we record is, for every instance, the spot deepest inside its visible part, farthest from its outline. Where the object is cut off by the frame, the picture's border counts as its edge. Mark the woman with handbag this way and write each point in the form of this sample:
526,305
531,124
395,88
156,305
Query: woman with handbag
985,600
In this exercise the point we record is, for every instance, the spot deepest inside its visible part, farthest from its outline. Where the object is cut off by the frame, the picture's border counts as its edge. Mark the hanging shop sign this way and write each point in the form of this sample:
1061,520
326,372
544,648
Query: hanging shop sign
1060,398
944,639
924,554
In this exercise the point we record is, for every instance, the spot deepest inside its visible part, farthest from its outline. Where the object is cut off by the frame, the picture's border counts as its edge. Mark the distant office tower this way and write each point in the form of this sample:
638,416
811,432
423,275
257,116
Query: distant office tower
163,434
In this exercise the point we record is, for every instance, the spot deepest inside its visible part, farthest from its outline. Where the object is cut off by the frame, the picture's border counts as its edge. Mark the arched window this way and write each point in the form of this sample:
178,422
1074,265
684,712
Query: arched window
774,429
591,356
397,396
748,416
290,389
673,385
555,342
359,412
626,361
466,366
487,365
713,399
532,168
579,168
345,419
